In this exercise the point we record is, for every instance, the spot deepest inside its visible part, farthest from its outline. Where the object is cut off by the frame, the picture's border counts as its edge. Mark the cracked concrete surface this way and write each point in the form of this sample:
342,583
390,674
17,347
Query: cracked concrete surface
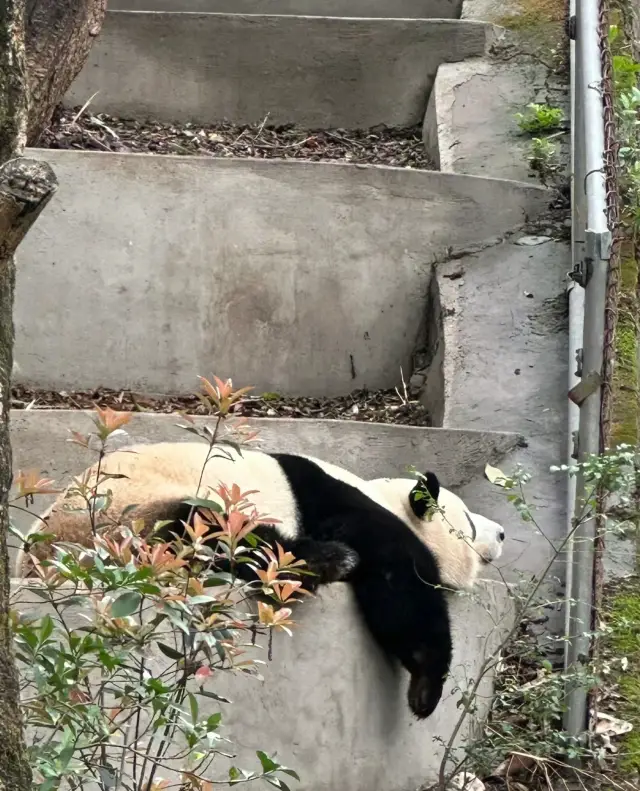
475,103
505,335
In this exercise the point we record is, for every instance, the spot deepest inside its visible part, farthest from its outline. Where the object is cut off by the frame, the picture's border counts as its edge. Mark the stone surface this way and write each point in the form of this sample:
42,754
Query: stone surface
145,272
332,708
313,71
401,9
470,125
505,329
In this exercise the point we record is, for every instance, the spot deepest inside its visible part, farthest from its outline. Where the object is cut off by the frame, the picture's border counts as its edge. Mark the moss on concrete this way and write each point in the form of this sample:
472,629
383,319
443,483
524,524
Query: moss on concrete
534,13
623,618
624,426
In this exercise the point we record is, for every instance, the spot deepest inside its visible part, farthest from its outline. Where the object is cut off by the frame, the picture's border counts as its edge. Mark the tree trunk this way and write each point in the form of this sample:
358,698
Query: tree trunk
25,188
59,37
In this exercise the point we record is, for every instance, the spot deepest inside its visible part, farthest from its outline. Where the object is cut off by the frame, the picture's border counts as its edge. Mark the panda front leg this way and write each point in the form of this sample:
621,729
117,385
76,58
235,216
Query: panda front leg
399,592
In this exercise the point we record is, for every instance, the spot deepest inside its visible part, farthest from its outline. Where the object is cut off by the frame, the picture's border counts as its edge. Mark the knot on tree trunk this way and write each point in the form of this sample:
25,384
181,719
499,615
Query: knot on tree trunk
26,186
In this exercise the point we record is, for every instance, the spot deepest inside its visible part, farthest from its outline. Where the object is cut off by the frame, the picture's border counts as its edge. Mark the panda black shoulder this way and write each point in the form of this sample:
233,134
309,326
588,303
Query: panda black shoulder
319,494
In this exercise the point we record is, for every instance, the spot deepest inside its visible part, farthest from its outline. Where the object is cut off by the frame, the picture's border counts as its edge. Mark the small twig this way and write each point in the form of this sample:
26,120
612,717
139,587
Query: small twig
84,107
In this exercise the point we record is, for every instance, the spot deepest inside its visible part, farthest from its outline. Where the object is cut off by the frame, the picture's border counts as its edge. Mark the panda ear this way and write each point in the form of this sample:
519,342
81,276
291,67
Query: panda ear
424,494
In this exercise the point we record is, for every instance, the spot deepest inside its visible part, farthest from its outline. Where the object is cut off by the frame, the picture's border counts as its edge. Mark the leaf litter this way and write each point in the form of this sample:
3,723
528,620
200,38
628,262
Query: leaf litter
370,406
80,129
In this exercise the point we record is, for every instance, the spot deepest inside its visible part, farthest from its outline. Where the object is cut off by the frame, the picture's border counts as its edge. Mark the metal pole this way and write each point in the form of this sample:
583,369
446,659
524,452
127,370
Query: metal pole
595,269
576,328
576,311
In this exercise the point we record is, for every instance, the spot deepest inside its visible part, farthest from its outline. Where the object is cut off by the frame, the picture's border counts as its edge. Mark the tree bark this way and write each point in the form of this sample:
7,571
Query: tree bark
59,37
25,188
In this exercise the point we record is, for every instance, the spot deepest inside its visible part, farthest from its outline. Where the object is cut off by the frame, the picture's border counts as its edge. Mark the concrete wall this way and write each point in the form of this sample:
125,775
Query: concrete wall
147,271
350,726
401,9
313,71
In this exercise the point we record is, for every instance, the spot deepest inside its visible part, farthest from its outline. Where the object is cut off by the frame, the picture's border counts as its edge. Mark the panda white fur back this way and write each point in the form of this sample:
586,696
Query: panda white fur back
462,541
345,528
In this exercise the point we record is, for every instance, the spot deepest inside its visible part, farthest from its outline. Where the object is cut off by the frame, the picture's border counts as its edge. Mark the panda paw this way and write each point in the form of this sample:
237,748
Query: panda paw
337,561
424,694
329,561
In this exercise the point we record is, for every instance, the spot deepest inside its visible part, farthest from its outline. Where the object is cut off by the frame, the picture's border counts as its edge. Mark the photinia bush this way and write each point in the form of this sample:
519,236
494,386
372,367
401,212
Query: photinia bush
119,666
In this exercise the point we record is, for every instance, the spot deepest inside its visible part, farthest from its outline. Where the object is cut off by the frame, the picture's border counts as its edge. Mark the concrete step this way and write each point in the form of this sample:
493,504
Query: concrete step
387,9
470,125
312,71
504,326
174,266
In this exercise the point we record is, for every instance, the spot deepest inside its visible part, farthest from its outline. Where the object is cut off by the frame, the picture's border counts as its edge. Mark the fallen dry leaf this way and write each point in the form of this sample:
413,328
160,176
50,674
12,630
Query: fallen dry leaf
494,475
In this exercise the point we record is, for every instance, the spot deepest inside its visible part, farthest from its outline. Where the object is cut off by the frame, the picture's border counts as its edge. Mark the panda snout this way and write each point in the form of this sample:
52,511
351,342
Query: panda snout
501,535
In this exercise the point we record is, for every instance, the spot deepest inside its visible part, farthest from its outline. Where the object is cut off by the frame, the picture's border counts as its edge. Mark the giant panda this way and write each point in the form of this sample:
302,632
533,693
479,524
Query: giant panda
344,527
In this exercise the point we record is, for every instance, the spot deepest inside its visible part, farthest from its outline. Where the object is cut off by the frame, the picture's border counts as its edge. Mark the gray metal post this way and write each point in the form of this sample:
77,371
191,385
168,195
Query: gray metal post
576,304
592,189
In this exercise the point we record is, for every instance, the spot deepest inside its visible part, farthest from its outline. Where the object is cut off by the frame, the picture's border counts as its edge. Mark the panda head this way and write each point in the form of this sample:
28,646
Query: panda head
424,504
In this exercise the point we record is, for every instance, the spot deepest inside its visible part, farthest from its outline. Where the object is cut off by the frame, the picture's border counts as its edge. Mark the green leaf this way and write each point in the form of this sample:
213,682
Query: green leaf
46,628
213,695
126,604
268,765
232,444
15,531
167,650
100,503
234,773
193,705
176,619
34,538
200,599
278,783
220,578
200,502
128,510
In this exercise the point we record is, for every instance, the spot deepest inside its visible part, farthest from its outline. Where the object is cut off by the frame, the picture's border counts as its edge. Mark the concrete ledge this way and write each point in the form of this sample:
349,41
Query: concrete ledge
400,9
313,71
39,441
370,450
147,271
333,709
470,124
